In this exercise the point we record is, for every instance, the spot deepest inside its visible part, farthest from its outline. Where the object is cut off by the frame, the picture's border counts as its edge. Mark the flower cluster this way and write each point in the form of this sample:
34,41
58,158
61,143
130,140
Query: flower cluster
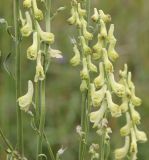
104,89
30,26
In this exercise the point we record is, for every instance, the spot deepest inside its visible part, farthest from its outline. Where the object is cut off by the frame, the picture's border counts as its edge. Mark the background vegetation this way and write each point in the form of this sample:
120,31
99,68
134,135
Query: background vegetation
63,97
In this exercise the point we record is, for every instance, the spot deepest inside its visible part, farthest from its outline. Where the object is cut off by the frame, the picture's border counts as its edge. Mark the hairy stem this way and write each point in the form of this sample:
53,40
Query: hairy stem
18,77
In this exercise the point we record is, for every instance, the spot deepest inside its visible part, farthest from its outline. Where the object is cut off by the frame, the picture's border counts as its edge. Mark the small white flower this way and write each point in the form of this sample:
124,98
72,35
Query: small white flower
140,135
26,100
54,53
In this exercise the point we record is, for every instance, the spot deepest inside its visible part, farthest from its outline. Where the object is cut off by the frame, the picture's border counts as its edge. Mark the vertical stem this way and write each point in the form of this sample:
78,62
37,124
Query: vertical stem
18,77
42,114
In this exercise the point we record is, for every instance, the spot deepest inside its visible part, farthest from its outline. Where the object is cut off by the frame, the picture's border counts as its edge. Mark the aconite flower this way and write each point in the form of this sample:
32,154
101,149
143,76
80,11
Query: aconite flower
78,21
72,19
54,53
47,37
95,16
26,29
91,66
97,48
103,30
122,152
33,49
111,36
85,47
99,80
125,130
113,107
37,12
124,105
133,146
97,116
118,89
82,12
84,72
97,96
75,60
134,114
87,35
27,3
113,55
123,73
140,135
83,86
26,100
107,63
105,17
39,69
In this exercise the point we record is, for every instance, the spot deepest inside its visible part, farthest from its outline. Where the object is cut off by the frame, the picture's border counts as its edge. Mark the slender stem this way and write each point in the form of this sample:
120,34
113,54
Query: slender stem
42,114
18,77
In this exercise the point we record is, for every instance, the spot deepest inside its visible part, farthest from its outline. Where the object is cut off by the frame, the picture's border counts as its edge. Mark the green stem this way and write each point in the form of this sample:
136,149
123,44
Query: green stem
18,77
83,126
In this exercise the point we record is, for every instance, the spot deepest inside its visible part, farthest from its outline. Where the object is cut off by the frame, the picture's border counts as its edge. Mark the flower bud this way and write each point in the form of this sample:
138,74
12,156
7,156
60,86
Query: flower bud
124,72
97,96
72,19
54,53
75,60
87,35
111,33
114,108
83,86
95,16
99,80
124,105
103,30
135,115
26,100
122,152
140,135
97,116
33,49
39,69
107,63
26,29
82,12
105,17
125,130
113,55
37,12
84,73
118,89
85,47
91,66
27,3
47,37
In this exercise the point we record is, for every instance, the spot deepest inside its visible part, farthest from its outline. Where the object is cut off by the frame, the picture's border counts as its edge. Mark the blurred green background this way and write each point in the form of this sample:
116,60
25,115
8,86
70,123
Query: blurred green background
63,97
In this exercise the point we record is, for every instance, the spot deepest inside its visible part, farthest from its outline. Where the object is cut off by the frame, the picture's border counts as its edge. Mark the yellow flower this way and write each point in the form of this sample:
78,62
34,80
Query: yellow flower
83,86
33,49
85,47
103,30
113,107
95,16
125,130
73,17
27,3
123,73
37,12
111,33
135,115
118,89
26,100
84,73
124,105
26,29
91,66
99,80
133,146
39,69
47,37
82,12
54,53
122,152
140,135
97,96
107,63
105,17
97,116
86,34
75,60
